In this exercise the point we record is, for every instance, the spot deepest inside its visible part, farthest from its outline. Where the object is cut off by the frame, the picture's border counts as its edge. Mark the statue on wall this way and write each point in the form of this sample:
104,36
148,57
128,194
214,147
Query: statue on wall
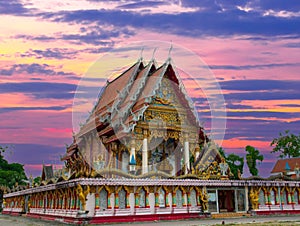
204,200
254,198
82,194
223,167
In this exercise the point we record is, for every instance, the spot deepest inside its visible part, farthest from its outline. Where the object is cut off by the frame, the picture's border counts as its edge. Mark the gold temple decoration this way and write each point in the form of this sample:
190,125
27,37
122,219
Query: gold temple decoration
254,197
82,194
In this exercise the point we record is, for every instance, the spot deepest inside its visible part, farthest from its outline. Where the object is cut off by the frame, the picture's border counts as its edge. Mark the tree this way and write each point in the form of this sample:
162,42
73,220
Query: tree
287,144
37,180
10,174
235,162
251,157
222,152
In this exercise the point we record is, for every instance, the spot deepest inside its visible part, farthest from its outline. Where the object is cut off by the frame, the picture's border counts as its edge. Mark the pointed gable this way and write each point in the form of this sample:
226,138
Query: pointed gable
113,88
125,99
283,165
47,173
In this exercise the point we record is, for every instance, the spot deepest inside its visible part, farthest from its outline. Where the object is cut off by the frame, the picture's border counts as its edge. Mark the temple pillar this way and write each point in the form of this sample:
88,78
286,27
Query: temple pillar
147,200
116,201
97,201
173,198
136,200
269,197
246,198
167,199
108,200
156,203
266,197
184,199
186,153
289,201
145,154
188,198
127,200
78,204
198,197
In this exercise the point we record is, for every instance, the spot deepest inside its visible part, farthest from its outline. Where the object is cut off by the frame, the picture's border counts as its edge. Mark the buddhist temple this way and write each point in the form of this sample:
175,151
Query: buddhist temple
142,155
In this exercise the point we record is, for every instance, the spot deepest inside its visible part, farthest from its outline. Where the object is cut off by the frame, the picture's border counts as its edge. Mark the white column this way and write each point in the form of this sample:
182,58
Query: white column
246,198
145,154
186,154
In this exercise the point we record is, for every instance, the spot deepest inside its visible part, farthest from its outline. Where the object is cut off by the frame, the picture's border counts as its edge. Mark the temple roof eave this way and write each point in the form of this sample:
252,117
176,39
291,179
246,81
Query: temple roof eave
153,182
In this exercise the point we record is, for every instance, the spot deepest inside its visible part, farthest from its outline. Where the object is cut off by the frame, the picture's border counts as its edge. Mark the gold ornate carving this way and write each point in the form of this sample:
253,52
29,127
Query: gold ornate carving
118,189
93,189
254,197
150,189
170,118
82,193
204,199
129,189
165,166
110,189
168,189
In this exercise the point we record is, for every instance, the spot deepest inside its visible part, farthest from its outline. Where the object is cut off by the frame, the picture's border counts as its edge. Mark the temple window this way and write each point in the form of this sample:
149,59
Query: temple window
273,197
125,161
212,201
241,200
122,199
193,198
179,198
284,197
103,199
142,198
261,197
296,197
162,198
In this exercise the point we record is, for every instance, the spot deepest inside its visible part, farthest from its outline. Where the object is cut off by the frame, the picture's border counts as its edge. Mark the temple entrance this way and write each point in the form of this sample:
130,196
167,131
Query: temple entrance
226,201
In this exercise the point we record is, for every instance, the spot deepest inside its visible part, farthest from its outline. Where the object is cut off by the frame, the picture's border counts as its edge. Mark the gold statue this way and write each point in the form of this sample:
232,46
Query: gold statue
82,194
254,198
204,200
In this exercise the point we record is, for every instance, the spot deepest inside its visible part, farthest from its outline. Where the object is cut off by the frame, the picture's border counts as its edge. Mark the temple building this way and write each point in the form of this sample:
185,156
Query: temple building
289,167
142,155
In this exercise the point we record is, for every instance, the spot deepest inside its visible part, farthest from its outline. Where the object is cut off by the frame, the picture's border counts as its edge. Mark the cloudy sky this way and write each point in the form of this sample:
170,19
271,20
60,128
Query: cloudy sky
252,48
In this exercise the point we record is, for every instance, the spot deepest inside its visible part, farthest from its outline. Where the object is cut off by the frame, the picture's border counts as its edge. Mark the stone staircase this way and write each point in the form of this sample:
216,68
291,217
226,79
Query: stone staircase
229,215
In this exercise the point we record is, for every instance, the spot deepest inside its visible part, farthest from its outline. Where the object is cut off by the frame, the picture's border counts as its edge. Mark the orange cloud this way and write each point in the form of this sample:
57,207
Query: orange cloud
236,143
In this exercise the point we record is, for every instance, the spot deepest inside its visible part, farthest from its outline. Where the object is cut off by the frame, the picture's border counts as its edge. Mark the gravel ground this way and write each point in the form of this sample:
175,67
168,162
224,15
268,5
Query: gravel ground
294,220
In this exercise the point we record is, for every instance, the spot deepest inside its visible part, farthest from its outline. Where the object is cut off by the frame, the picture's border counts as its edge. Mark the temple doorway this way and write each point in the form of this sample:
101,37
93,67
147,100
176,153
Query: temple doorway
226,201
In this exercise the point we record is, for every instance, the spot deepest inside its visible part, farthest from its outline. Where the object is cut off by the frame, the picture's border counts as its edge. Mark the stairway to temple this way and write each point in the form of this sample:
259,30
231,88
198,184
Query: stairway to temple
229,215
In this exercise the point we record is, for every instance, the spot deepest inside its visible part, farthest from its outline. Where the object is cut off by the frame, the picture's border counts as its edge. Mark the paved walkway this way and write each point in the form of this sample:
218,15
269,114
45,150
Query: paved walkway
24,221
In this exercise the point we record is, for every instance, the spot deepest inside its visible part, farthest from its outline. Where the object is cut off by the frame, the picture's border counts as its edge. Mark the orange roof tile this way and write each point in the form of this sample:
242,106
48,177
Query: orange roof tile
280,165
111,91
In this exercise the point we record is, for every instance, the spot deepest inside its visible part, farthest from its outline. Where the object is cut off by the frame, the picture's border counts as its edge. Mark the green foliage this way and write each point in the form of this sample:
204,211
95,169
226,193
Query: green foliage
251,157
37,180
287,144
235,162
10,174
222,152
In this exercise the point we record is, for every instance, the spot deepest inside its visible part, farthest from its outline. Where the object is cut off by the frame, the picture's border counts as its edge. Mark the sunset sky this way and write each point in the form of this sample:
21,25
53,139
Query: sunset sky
251,47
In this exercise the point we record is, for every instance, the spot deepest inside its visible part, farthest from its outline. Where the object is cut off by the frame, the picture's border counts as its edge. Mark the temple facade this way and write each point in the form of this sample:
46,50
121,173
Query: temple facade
142,155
